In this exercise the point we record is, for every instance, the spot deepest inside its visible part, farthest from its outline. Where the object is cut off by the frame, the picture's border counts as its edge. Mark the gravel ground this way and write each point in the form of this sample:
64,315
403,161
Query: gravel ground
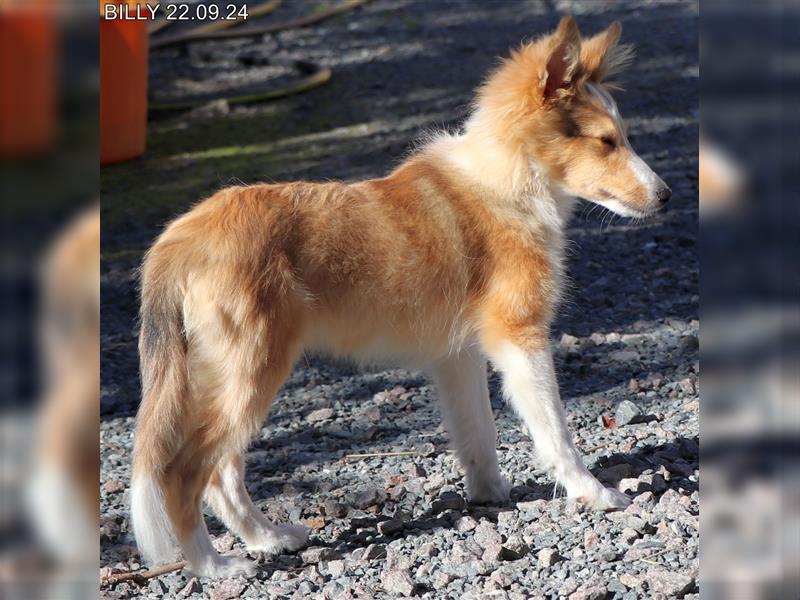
626,343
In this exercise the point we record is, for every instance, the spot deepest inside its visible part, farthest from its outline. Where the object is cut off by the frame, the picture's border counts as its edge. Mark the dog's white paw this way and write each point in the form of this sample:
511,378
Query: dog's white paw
223,567
494,490
279,538
603,498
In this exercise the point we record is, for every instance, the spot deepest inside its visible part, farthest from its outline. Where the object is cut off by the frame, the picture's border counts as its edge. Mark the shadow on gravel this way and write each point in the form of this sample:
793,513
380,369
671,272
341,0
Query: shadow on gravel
680,458
363,533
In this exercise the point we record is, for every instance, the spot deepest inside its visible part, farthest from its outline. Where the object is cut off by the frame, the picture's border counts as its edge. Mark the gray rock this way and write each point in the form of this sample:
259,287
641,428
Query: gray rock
610,555
441,580
211,110
333,590
113,486
486,535
414,470
534,506
192,587
690,343
228,589
687,386
319,415
390,526
316,554
681,468
447,501
627,413
636,523
568,341
629,535
615,586
368,497
373,414
630,485
669,583
591,590
398,583
548,557
492,552
374,551
335,568
157,586
465,523
331,508
514,549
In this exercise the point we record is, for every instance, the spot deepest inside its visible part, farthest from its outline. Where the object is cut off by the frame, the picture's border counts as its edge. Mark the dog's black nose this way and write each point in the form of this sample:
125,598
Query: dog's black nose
663,195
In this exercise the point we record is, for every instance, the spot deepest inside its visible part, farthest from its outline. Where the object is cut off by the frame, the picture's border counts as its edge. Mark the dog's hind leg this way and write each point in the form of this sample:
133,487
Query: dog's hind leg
464,398
238,365
183,483
236,362
227,495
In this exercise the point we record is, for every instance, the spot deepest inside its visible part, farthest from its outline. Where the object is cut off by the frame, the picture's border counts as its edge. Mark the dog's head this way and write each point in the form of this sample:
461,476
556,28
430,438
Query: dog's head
551,100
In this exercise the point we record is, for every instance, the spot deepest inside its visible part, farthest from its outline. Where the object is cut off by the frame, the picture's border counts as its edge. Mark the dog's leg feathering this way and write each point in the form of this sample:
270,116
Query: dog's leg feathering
151,524
530,385
228,498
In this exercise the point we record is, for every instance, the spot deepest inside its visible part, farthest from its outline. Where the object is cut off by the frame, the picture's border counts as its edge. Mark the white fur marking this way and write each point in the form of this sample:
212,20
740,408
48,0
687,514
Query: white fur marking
151,524
643,173
205,561
464,398
233,505
619,208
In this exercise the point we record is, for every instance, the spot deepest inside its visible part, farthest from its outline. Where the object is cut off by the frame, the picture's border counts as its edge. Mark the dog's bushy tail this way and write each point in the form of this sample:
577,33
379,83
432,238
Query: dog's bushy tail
162,352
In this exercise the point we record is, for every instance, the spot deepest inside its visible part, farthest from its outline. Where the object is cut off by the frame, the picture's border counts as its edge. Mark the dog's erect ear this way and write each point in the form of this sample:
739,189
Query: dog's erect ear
603,56
563,60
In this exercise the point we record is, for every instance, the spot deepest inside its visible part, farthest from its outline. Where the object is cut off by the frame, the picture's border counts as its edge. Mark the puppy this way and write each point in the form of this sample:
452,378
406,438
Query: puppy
455,258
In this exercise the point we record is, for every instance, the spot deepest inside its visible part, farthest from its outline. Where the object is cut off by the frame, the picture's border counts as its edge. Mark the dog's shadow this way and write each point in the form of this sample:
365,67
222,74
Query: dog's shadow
358,531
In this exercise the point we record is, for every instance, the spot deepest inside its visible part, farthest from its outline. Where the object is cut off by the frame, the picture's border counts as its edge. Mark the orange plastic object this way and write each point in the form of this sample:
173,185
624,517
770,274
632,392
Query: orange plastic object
27,80
123,89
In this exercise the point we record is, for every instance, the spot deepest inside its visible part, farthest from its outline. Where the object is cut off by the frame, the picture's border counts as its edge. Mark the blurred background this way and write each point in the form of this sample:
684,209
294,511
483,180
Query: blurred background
49,182
177,119
750,415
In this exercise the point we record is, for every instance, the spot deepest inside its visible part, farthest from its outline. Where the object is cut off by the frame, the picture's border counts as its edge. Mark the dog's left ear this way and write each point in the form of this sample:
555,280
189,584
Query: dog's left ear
603,56
563,60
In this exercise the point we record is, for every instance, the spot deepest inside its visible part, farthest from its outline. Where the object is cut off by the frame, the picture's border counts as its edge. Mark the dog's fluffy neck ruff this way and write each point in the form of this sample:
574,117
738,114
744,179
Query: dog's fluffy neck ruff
515,184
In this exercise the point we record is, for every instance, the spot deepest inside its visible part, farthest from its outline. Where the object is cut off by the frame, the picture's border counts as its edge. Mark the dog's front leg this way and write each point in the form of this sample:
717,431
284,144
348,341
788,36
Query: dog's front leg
529,383
464,398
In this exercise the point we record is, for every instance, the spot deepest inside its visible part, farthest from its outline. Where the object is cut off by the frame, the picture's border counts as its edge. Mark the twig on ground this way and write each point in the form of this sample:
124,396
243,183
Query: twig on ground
141,577
379,454
598,447
659,553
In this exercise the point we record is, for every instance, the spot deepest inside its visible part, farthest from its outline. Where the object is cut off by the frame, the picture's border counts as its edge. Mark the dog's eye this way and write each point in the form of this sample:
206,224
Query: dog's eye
608,142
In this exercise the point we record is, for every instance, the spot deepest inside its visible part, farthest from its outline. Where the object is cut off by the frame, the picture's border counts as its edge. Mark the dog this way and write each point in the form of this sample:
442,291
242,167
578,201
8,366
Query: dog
455,258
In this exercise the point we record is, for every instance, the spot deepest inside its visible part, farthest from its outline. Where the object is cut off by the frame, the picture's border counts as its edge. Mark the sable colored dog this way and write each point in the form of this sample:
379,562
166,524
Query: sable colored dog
454,258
